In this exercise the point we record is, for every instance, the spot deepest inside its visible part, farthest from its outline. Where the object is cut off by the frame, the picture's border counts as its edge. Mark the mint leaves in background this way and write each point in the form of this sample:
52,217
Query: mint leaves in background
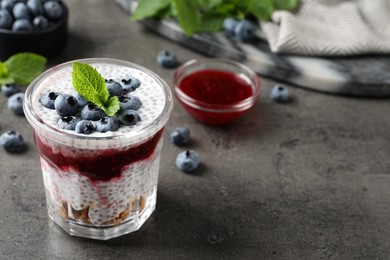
208,15
21,68
88,82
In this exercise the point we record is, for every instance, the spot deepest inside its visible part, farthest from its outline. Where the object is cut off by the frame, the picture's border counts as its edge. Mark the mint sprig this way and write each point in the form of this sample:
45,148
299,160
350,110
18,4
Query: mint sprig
88,82
21,68
208,15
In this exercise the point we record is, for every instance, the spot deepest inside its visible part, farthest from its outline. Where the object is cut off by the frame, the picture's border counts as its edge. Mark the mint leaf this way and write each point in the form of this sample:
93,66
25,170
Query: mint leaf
3,70
188,15
286,4
208,4
262,9
88,82
148,8
208,15
112,106
5,78
211,23
25,67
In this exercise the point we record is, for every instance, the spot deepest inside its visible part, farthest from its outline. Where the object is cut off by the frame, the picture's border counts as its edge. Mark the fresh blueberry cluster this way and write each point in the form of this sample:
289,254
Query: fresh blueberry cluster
77,114
243,30
29,15
189,160
15,98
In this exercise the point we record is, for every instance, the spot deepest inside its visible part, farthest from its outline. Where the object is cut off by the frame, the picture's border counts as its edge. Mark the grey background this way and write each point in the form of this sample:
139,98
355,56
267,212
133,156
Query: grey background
306,180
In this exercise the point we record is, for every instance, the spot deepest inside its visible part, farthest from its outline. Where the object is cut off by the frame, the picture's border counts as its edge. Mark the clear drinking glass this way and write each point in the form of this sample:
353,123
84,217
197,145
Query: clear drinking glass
100,186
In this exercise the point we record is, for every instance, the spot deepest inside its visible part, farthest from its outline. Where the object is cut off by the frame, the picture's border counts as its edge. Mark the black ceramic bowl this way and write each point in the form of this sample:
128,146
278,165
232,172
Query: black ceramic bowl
48,42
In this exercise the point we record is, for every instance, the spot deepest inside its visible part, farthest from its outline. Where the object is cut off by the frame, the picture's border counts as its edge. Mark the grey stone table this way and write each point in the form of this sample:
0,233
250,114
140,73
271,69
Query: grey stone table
306,180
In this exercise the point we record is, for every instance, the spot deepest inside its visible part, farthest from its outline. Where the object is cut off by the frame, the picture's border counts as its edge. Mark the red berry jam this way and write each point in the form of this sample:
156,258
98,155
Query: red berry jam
103,167
215,87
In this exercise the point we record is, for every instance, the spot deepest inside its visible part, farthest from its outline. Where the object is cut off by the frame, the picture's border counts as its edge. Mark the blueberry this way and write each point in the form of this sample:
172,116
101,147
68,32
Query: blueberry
280,93
129,117
53,10
22,25
166,59
47,100
15,103
229,25
21,11
188,161
66,105
85,127
68,122
35,7
7,5
5,19
245,30
80,99
114,88
107,124
180,136
12,142
92,112
130,84
40,22
9,89
131,102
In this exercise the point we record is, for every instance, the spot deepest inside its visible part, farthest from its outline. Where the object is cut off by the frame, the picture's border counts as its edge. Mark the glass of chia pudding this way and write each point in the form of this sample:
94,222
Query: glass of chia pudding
100,185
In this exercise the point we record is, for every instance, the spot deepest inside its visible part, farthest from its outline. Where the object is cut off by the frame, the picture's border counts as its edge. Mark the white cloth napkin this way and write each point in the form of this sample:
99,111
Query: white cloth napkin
331,28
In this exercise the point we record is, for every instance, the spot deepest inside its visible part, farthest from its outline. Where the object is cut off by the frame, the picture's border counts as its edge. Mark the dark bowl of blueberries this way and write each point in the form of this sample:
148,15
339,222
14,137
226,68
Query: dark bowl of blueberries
38,26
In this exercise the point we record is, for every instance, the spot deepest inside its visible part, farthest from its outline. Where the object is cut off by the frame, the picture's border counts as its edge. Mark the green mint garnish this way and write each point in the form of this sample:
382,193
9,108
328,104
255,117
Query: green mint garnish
21,68
88,82
208,15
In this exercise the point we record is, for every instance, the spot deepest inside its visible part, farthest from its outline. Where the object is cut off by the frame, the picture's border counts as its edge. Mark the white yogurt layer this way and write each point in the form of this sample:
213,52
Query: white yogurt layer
105,200
150,92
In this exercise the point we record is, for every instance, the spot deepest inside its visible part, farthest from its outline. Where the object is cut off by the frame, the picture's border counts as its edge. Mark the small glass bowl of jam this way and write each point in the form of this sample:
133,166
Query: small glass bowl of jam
216,91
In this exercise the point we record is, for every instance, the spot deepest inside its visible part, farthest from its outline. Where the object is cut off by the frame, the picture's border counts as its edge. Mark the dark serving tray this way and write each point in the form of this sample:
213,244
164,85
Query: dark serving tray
367,75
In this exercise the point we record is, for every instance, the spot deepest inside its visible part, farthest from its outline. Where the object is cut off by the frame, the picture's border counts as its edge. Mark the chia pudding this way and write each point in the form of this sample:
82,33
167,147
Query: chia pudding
100,185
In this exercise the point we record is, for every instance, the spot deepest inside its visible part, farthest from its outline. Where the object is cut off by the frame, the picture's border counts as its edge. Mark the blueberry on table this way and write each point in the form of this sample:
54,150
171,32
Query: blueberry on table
107,124
85,127
66,105
53,10
35,7
47,99
188,161
114,88
5,19
92,112
21,11
12,142
9,89
68,122
7,5
180,136
40,22
131,102
129,117
166,59
130,84
22,25
280,93
245,30
230,24
15,103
